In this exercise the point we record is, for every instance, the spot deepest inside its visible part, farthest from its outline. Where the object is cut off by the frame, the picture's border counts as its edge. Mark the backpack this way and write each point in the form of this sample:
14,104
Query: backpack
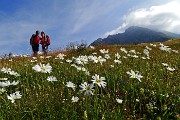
32,39
48,40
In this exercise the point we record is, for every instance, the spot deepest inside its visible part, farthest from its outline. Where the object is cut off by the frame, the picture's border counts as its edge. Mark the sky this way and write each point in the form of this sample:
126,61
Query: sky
77,21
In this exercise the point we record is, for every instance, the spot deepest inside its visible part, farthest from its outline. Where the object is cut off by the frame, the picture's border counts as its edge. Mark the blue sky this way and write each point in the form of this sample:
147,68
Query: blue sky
67,21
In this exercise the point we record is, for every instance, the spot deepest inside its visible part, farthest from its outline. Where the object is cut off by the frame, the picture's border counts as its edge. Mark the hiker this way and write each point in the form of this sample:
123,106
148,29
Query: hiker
45,42
34,42
48,40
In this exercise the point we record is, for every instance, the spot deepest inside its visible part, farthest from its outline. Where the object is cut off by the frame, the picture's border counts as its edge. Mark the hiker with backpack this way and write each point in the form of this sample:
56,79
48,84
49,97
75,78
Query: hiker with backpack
45,42
34,42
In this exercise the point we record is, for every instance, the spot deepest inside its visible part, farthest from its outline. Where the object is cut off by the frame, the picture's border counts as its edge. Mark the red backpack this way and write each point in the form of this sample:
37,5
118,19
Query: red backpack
48,40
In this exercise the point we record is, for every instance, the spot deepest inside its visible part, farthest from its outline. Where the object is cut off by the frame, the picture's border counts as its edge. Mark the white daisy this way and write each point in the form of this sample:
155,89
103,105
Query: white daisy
51,79
42,68
104,51
119,100
134,75
170,69
99,80
60,56
14,96
71,85
74,99
88,88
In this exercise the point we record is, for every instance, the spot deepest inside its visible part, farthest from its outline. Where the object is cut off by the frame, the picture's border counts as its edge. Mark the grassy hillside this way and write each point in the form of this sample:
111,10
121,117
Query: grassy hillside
107,82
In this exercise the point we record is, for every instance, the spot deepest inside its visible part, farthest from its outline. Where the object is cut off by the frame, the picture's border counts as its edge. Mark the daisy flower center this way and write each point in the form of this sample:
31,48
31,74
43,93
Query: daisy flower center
87,88
97,58
98,80
43,68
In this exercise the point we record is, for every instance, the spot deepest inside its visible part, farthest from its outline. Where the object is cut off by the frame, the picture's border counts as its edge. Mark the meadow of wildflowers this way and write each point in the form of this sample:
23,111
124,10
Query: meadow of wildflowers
105,82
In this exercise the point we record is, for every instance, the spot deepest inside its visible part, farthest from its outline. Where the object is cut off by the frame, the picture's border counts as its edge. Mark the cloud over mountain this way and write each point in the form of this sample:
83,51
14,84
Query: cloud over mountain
162,17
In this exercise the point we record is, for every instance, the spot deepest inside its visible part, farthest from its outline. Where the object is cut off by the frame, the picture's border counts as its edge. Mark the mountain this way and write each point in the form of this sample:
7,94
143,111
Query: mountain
174,35
135,35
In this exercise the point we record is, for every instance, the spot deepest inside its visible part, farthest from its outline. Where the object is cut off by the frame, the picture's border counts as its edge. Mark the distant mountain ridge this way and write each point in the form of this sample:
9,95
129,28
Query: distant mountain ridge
136,35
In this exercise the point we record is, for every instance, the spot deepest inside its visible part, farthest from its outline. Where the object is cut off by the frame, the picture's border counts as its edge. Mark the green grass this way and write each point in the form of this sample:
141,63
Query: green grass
156,97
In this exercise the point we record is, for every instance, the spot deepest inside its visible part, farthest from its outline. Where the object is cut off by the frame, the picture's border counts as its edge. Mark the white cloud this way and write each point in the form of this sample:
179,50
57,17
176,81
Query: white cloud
162,17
